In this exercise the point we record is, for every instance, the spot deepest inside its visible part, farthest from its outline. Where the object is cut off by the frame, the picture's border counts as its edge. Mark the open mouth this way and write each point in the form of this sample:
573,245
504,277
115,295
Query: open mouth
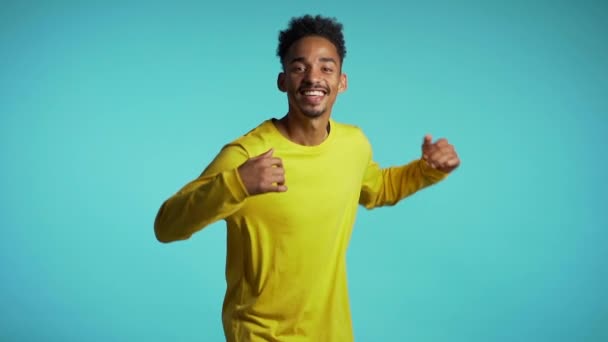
313,96
313,92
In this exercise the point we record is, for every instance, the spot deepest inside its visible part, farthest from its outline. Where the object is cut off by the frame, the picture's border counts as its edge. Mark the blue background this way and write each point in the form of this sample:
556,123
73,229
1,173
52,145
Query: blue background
108,109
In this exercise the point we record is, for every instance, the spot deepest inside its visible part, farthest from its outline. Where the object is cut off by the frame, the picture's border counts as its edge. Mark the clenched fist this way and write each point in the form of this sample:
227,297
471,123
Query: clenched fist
263,174
439,155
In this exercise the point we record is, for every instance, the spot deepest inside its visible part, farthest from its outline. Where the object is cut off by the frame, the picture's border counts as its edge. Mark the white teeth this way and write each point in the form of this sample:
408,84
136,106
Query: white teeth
313,93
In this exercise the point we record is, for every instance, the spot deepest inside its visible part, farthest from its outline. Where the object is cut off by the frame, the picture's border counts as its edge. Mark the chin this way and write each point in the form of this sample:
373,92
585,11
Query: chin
312,113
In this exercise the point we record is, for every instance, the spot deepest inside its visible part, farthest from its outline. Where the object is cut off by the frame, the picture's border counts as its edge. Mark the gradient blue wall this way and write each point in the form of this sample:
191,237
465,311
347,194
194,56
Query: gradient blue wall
108,109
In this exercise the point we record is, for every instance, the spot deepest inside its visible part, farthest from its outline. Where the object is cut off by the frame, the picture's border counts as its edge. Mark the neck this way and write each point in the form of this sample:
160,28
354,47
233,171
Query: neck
304,131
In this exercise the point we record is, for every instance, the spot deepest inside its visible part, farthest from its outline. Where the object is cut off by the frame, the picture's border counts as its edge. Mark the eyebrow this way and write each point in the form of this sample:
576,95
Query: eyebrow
322,59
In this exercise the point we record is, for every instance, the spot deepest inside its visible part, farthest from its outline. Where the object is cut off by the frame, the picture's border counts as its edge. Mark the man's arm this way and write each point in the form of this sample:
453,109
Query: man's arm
219,192
215,194
388,186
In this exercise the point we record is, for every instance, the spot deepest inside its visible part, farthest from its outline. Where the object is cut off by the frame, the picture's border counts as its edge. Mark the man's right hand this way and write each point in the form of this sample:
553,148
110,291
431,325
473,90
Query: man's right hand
263,174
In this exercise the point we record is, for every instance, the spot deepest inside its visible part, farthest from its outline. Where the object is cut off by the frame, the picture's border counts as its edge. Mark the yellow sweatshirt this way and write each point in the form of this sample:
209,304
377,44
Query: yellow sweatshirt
286,262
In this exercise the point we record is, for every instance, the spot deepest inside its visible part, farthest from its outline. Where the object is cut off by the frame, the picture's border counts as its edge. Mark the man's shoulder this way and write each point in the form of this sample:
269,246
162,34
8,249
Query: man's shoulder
256,139
350,131
258,131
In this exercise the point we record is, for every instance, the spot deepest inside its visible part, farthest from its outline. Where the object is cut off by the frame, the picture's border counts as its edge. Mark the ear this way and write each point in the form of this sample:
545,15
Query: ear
281,82
343,85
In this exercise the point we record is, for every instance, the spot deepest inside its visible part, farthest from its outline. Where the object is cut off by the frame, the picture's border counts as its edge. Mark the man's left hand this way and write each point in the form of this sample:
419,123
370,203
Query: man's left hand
440,155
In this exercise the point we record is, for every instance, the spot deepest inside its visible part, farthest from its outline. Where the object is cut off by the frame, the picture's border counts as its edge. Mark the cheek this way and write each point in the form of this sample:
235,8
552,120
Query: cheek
337,82
293,84
336,88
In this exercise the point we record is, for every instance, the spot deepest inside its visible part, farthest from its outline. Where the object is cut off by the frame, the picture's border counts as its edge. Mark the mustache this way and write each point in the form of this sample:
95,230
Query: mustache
313,86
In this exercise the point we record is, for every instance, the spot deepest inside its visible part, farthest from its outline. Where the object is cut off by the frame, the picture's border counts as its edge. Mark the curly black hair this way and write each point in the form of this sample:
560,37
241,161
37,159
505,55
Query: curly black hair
307,25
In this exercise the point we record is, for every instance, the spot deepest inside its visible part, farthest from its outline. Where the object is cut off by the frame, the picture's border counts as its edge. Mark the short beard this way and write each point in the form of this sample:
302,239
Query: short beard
312,113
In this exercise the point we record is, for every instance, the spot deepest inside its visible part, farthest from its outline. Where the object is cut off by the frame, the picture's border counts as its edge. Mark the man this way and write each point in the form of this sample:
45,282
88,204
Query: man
289,191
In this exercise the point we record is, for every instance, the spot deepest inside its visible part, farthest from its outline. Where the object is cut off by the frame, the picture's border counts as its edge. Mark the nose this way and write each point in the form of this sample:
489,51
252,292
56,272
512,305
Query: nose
312,75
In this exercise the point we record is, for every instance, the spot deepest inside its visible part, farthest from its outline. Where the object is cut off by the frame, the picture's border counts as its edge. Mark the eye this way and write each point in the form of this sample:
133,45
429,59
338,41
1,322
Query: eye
298,68
327,69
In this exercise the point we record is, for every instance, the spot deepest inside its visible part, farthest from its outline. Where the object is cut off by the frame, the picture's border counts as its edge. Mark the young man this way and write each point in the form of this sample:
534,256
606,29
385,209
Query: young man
289,191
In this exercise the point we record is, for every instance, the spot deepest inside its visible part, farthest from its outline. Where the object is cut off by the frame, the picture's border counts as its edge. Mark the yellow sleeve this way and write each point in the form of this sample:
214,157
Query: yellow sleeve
216,194
389,185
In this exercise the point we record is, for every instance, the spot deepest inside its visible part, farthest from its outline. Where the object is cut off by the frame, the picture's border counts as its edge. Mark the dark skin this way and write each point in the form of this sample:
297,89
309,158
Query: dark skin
312,78
440,155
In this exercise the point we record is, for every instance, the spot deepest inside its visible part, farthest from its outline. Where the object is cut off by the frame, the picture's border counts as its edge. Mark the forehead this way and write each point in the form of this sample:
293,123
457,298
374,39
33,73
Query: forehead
312,48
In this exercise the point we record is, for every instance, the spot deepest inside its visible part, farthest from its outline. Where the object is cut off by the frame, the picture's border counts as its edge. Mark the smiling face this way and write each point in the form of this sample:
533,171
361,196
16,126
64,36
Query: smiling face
312,77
